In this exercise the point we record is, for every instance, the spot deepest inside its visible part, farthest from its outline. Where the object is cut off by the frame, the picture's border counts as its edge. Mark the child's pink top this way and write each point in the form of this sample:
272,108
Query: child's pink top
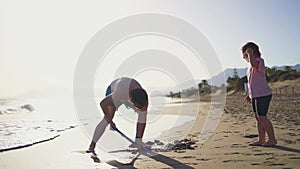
257,83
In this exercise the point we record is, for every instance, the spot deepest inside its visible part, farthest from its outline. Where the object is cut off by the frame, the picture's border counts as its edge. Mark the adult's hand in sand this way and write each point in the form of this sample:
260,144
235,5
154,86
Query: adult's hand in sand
140,144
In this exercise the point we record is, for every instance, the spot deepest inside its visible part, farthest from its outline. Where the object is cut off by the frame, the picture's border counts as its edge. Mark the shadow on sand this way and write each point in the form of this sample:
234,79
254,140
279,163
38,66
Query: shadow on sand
155,156
287,149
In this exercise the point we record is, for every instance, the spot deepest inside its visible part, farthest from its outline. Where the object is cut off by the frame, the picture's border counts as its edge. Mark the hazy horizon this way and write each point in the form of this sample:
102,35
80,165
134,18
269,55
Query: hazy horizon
41,41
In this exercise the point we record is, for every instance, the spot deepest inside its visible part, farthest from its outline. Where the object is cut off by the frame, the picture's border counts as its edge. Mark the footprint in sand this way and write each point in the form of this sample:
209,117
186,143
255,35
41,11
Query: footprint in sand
203,159
270,158
294,158
291,134
254,149
255,164
262,154
251,135
237,146
233,153
187,157
246,154
273,163
191,163
227,161
289,141
218,147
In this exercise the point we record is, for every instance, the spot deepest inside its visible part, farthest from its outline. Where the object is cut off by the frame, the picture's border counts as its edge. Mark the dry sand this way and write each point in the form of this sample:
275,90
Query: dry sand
227,148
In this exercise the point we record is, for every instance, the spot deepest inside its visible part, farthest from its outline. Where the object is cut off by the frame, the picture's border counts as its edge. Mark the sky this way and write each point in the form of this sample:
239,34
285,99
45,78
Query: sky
41,41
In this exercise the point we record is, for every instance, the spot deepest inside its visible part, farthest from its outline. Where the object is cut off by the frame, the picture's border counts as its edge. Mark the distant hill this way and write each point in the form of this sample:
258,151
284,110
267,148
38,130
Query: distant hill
296,67
184,85
218,79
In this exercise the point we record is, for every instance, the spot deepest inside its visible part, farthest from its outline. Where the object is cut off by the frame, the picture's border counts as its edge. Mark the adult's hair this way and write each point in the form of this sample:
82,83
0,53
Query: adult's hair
253,46
139,96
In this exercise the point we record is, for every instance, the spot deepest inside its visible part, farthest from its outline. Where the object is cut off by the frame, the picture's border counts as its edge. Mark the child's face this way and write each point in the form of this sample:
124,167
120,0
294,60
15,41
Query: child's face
246,57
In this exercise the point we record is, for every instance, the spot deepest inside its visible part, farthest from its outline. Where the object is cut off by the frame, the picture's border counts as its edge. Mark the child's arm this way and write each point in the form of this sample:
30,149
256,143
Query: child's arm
247,99
253,62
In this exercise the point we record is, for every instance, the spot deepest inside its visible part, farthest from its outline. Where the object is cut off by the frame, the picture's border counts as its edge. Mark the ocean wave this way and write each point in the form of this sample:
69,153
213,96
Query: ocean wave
16,109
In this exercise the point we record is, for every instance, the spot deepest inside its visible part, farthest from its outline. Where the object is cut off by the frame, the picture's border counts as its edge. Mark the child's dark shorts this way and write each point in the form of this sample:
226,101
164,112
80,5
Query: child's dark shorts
260,105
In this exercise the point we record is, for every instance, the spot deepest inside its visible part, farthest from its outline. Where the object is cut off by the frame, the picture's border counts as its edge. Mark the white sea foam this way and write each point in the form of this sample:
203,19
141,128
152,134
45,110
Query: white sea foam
23,124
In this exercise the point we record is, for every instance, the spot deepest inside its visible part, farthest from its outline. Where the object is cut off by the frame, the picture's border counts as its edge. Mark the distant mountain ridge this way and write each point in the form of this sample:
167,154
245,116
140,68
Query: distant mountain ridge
296,67
218,79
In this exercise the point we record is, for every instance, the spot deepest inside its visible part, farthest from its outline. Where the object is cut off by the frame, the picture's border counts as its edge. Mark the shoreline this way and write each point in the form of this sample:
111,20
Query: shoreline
28,145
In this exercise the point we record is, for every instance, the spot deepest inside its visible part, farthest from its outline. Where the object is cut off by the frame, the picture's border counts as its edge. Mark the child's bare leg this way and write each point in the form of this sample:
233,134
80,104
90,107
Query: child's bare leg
269,129
261,132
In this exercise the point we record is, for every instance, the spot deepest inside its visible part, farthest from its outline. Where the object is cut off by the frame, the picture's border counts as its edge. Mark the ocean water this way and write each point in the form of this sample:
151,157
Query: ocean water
30,121
27,122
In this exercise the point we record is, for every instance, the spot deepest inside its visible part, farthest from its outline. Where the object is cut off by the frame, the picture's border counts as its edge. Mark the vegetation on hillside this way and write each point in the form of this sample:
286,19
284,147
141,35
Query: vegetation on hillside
203,89
274,75
236,83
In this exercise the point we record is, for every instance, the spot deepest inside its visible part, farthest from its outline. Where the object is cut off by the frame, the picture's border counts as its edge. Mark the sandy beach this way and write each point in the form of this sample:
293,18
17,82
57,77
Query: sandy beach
226,148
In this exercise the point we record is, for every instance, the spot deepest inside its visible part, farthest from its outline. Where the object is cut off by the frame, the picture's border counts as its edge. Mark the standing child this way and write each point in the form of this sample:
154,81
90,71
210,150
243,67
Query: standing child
259,94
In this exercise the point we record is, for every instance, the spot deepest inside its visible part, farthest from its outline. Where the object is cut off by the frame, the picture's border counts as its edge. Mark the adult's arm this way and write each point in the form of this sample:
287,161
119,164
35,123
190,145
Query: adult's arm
141,124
